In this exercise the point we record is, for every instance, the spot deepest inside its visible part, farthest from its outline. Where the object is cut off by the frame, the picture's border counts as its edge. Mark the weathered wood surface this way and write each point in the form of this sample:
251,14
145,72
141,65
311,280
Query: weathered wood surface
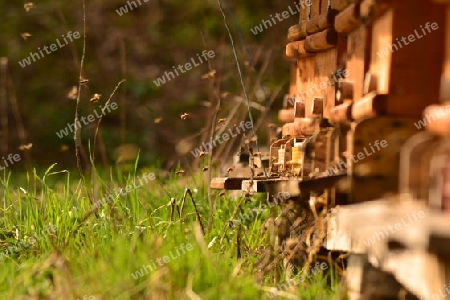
350,226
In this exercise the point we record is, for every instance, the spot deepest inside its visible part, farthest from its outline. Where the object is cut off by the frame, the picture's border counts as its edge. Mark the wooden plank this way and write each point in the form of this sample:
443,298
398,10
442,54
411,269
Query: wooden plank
304,13
325,65
321,22
445,82
226,183
438,119
297,32
341,113
321,41
297,50
315,9
323,6
286,115
293,74
348,19
341,4
305,79
374,8
356,60
405,83
369,106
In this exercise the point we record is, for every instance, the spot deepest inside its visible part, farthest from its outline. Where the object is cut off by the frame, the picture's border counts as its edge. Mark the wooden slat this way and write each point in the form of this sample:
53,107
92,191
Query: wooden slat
348,19
315,8
293,73
445,82
438,119
341,4
369,106
396,69
356,60
297,50
225,183
325,65
341,113
321,41
323,6
286,115
303,13
297,32
321,22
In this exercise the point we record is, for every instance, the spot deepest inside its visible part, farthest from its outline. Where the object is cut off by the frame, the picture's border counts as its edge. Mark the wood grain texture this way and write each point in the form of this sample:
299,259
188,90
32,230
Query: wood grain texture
297,50
321,41
348,19
321,22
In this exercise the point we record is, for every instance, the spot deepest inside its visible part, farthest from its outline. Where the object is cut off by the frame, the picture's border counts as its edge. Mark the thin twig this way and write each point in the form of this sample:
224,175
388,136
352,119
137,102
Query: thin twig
76,134
240,77
101,117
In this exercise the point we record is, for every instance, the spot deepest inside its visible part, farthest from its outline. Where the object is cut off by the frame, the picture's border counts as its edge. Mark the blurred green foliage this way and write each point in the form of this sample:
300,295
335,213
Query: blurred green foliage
139,47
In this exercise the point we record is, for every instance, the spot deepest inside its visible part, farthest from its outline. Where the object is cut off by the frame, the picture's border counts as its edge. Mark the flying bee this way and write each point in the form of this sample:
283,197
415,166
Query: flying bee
158,120
180,172
184,116
84,80
205,168
25,147
73,93
28,6
210,74
221,121
95,98
203,153
25,35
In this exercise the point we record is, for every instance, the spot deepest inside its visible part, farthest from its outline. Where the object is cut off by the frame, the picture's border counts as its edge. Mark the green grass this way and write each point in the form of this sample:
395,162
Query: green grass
74,255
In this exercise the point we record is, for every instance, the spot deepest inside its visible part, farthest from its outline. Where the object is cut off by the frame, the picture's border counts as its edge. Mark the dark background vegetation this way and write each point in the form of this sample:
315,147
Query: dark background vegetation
138,46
